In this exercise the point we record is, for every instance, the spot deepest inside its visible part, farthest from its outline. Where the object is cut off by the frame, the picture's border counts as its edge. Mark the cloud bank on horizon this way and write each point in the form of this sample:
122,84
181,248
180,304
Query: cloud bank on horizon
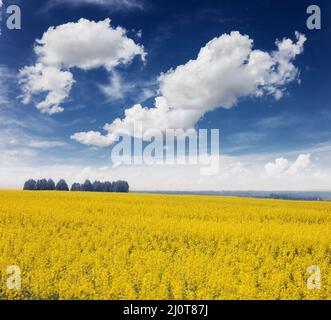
238,173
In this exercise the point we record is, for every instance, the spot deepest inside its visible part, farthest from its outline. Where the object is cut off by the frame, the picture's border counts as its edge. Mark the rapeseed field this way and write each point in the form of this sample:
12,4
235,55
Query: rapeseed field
72,245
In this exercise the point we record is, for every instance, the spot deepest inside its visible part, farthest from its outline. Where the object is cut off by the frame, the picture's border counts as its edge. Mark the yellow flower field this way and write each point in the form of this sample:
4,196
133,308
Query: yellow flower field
126,246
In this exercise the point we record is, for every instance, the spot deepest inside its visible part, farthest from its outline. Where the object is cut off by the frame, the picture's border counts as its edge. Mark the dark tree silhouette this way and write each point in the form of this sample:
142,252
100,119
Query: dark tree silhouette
76,187
120,186
87,186
30,185
97,186
42,185
50,184
107,186
62,186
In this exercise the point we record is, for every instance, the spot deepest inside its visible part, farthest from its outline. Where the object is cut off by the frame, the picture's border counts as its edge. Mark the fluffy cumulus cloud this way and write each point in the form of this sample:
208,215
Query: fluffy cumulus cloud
85,45
41,78
226,69
282,166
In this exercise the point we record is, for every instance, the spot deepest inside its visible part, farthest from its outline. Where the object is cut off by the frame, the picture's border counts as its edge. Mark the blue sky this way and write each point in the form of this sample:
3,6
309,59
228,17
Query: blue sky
267,142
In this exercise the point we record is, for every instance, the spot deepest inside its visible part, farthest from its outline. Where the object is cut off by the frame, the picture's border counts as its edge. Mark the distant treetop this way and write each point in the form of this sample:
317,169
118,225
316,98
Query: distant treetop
87,186
62,186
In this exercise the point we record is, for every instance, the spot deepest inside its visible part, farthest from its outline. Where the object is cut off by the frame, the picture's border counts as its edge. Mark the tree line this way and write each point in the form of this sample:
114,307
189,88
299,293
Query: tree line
88,186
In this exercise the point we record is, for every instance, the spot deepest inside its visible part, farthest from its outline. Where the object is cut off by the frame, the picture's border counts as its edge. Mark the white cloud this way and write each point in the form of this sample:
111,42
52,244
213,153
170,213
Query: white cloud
86,45
226,69
278,167
161,117
282,166
42,78
300,165
92,138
